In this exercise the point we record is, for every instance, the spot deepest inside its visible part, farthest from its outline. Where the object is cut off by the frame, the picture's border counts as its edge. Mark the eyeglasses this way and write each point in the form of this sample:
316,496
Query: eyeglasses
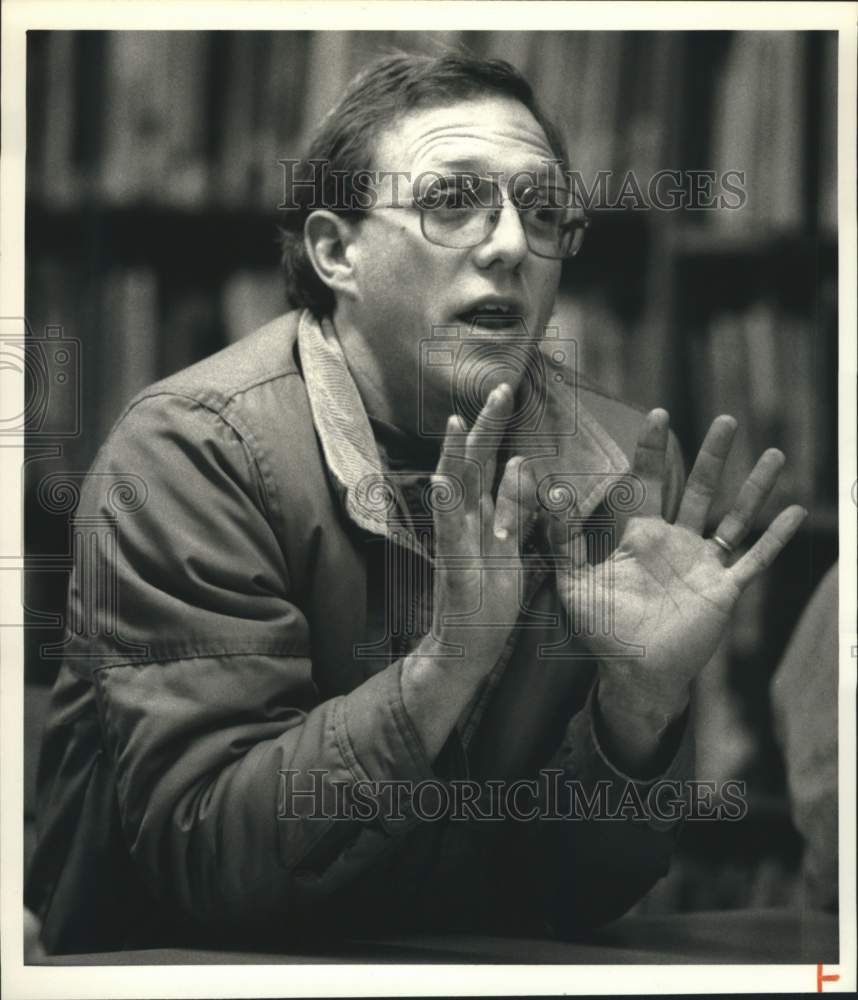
461,210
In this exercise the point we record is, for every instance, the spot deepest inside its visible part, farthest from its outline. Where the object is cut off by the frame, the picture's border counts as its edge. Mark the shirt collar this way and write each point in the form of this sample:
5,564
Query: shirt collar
571,452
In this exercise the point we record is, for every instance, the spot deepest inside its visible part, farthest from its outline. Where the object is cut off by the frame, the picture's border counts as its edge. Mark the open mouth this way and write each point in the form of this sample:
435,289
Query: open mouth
493,316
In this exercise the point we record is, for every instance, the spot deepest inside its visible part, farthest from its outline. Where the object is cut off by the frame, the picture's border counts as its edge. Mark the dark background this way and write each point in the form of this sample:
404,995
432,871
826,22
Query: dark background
151,238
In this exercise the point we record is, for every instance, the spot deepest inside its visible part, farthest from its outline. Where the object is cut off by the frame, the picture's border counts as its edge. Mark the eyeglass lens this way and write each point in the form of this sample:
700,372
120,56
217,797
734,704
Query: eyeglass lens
461,210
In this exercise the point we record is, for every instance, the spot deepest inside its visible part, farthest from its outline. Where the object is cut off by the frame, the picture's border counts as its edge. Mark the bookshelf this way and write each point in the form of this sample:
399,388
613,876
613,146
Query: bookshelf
151,233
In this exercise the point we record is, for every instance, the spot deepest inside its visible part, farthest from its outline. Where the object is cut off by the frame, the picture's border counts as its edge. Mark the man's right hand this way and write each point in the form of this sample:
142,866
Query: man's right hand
477,539
478,571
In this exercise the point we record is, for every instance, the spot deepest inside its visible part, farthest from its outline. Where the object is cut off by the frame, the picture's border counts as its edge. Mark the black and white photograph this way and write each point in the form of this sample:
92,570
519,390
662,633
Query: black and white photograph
429,507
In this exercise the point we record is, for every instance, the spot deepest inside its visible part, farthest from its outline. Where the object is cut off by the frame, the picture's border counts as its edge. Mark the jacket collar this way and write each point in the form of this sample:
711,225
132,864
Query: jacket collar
572,455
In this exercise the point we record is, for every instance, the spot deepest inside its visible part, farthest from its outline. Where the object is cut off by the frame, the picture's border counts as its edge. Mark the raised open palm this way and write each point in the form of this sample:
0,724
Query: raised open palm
666,591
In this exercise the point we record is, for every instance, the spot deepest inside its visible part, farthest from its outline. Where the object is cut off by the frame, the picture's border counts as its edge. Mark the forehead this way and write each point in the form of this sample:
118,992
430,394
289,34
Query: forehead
490,133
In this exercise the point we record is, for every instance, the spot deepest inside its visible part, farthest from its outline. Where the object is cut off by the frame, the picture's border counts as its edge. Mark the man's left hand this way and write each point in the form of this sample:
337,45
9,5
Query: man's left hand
666,589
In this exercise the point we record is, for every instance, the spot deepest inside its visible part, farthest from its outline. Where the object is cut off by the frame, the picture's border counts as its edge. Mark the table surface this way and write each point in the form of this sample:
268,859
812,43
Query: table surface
732,937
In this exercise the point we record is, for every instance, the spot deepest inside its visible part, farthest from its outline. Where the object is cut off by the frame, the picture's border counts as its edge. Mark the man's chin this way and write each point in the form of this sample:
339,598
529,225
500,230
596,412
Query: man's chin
470,396
459,377
495,378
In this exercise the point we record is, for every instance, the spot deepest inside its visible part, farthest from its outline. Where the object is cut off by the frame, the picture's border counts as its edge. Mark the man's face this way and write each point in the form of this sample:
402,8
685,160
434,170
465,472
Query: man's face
407,286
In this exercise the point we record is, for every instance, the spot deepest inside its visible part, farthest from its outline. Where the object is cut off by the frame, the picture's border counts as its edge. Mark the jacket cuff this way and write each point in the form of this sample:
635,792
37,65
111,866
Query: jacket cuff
591,764
380,746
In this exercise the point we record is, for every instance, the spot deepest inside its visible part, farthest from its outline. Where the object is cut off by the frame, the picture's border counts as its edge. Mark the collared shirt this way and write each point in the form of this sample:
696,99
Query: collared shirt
568,441
370,460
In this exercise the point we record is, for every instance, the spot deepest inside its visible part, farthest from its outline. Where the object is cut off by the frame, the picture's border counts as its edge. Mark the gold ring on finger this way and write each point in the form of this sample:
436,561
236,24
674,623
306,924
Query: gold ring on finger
726,546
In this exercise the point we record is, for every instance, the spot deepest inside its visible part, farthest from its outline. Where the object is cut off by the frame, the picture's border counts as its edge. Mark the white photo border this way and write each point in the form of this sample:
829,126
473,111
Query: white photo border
21,981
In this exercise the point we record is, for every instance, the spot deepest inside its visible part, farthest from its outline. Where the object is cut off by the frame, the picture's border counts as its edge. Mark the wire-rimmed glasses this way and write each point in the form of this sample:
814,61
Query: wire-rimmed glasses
461,210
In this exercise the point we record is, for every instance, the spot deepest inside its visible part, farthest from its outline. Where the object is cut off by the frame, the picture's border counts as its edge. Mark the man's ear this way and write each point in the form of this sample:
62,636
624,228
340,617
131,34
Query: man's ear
329,239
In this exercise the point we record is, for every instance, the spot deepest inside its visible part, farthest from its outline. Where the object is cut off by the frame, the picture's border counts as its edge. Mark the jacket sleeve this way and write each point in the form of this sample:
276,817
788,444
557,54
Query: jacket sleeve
599,863
594,866
226,757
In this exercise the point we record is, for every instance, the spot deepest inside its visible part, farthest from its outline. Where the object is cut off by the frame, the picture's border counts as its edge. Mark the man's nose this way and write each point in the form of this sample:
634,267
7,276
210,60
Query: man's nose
507,242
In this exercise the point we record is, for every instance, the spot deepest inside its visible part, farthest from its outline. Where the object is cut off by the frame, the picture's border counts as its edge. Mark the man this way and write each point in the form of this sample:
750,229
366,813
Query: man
349,582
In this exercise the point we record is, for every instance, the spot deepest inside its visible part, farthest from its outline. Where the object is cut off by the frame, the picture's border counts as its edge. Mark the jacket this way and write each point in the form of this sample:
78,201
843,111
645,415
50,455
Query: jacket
228,655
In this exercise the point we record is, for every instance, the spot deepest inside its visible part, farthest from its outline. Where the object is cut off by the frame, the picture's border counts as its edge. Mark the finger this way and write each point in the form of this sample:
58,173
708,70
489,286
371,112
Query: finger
706,475
452,468
649,460
446,481
752,497
453,446
487,432
764,552
516,503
